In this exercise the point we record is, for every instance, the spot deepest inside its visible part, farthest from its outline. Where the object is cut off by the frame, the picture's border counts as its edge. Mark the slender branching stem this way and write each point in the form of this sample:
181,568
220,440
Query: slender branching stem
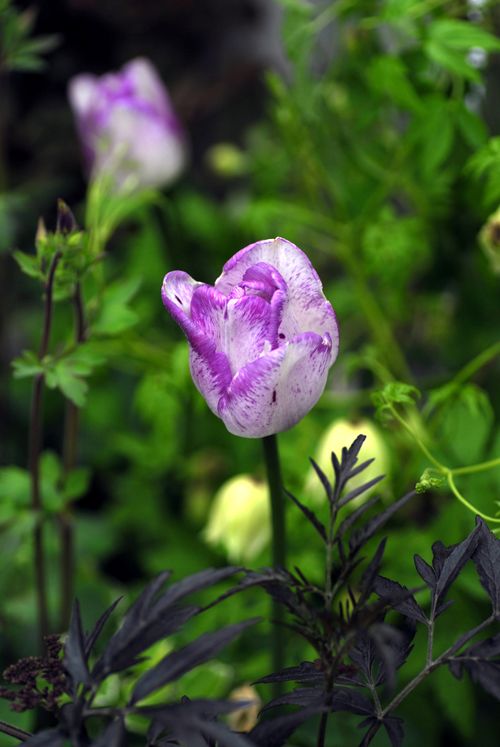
276,495
34,449
66,527
13,731
434,664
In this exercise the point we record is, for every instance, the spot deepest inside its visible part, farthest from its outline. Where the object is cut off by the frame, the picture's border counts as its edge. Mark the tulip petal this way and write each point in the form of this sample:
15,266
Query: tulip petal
306,307
275,391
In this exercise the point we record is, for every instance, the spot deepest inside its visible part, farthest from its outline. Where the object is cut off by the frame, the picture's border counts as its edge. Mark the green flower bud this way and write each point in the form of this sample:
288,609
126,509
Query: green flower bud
239,518
490,240
227,160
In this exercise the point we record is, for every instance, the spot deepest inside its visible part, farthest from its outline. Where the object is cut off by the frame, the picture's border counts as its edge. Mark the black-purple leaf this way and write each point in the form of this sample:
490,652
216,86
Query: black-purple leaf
395,730
425,571
399,598
301,696
448,562
359,490
177,663
92,637
368,577
196,582
46,738
392,648
113,736
75,661
362,536
310,516
484,673
275,732
348,522
323,479
487,561
347,699
360,468
306,671
124,648
374,725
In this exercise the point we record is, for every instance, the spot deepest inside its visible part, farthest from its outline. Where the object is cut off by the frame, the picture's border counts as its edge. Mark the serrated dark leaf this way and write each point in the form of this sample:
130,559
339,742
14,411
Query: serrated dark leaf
75,661
310,516
350,520
484,673
425,571
196,582
201,707
486,558
301,696
366,532
92,637
395,730
123,651
352,701
359,490
392,648
221,735
307,671
399,598
177,663
371,571
373,725
46,738
448,564
114,735
360,468
323,479
276,731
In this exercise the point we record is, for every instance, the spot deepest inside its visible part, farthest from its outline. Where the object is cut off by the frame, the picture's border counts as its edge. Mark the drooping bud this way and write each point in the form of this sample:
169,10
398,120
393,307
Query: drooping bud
66,222
239,519
490,240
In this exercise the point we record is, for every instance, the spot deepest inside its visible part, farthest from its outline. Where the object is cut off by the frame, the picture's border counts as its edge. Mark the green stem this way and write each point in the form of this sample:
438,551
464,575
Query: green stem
477,363
481,467
66,527
34,449
271,457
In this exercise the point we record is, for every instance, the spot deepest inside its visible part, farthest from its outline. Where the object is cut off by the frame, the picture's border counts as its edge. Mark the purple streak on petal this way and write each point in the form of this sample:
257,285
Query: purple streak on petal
209,366
247,330
307,308
274,392
208,309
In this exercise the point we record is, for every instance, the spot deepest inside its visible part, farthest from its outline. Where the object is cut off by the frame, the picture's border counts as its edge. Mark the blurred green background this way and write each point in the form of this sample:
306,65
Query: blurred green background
368,134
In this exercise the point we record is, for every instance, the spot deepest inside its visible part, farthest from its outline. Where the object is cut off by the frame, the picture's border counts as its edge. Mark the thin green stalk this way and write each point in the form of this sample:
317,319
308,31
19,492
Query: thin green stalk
271,457
480,467
34,449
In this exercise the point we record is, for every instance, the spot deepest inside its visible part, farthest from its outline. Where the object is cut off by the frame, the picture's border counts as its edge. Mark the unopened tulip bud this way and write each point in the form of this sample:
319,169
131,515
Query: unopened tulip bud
244,719
239,518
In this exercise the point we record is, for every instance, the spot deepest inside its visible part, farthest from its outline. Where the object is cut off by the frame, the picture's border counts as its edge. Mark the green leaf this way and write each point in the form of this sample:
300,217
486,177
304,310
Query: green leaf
461,35
28,364
396,392
389,76
14,492
452,60
28,263
115,315
76,484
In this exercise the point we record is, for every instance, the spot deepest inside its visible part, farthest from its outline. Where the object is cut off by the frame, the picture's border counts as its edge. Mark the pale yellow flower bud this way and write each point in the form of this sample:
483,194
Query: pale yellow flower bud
239,518
342,433
244,719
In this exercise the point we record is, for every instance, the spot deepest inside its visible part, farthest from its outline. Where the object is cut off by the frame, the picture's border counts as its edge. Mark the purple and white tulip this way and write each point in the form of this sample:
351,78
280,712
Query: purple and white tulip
128,127
262,339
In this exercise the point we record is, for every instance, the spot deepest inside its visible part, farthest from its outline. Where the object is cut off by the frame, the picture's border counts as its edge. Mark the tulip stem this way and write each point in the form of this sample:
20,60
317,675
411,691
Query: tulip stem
276,495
